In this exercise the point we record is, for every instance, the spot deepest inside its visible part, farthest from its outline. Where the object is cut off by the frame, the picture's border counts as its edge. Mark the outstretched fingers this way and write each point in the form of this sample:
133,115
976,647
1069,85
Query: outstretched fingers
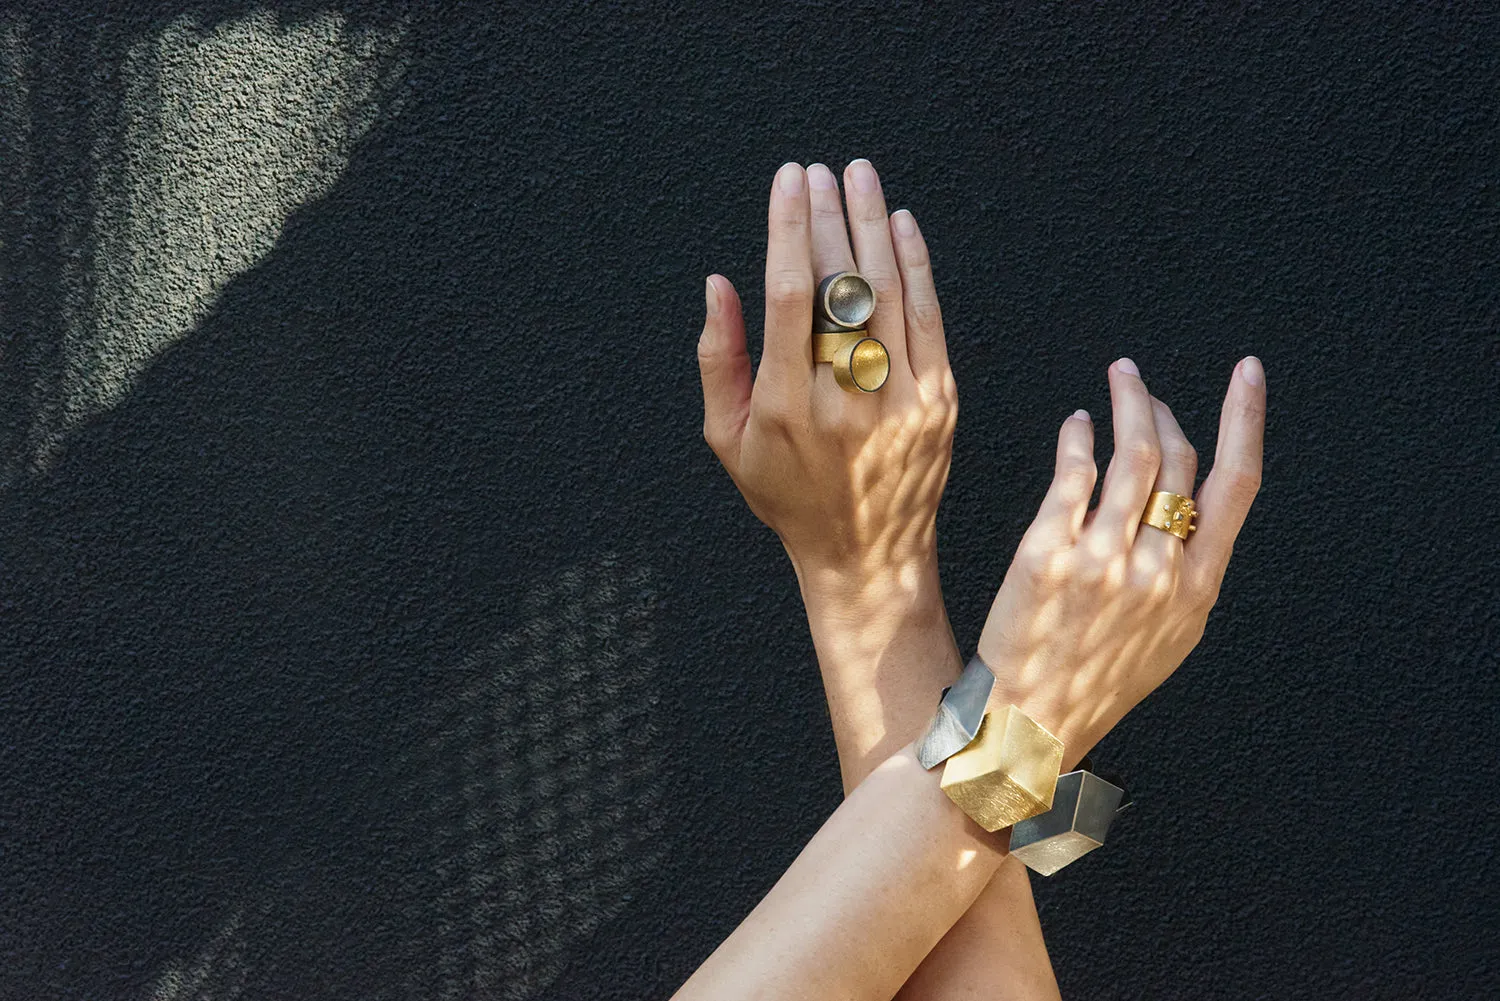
1225,497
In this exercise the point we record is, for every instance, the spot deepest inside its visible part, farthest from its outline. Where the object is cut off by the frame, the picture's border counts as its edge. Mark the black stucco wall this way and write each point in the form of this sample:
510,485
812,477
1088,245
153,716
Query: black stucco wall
369,644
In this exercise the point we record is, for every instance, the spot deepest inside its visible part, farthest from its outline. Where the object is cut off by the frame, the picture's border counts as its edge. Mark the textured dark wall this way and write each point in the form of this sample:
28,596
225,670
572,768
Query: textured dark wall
389,632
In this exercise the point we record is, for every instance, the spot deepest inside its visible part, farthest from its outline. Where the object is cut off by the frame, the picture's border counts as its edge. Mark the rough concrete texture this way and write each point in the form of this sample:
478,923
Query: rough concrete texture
367,594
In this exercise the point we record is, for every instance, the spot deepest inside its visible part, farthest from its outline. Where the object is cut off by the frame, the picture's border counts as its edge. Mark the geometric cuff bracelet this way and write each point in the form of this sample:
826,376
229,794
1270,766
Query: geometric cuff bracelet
958,715
1082,808
1008,773
1002,770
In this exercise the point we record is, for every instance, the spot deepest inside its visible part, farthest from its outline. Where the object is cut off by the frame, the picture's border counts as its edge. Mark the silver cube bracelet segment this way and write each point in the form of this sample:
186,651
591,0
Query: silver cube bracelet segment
959,713
1082,808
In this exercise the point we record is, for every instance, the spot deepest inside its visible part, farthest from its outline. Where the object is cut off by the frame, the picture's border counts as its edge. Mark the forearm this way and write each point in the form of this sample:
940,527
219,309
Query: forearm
884,878
995,951
886,650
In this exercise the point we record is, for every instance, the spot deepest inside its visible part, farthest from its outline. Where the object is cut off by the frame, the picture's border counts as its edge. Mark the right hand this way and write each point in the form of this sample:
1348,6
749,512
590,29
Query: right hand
1097,609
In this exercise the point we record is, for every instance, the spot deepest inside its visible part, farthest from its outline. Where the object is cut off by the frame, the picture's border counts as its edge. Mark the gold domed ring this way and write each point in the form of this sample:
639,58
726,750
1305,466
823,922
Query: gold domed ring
1172,513
844,303
861,364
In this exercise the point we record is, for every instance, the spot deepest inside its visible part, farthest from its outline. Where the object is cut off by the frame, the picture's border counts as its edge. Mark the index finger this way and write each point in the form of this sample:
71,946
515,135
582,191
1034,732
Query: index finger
1224,499
787,355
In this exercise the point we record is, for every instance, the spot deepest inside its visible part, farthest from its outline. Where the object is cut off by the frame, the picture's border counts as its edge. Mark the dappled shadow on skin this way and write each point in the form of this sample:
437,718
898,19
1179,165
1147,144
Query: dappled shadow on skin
240,753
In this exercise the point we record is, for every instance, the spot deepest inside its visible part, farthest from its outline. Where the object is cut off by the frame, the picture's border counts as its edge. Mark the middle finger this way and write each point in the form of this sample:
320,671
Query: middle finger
871,229
831,254
1137,459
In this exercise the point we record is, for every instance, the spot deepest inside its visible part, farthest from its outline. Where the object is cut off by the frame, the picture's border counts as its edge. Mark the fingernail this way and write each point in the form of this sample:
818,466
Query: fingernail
905,224
789,179
1082,415
820,177
1253,371
711,294
1128,367
864,175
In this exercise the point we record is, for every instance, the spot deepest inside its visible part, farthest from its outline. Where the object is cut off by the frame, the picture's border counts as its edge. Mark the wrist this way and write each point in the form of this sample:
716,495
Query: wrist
1047,704
853,592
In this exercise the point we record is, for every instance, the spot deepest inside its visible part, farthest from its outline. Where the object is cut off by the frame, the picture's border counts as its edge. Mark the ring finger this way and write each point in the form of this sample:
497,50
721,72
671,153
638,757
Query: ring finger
1156,547
870,228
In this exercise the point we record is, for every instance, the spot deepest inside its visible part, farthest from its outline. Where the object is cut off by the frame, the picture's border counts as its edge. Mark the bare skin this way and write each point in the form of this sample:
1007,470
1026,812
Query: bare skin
1091,617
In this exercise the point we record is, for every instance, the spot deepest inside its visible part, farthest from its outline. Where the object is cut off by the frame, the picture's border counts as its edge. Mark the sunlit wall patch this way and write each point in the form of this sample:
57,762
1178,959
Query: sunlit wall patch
213,135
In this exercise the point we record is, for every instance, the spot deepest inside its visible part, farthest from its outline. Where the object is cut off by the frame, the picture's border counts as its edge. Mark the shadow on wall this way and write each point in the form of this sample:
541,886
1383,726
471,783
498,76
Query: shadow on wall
146,171
269,478
521,805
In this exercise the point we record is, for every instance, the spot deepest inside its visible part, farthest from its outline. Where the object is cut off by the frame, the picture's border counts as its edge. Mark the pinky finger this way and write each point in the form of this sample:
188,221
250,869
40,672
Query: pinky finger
925,346
1061,515
1224,499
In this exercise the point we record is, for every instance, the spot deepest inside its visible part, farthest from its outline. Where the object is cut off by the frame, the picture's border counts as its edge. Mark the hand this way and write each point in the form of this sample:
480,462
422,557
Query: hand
1097,609
849,482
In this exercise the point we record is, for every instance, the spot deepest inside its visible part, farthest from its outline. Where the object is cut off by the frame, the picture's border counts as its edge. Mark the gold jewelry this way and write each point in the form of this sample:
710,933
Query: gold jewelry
861,366
1008,772
826,346
1172,513
845,300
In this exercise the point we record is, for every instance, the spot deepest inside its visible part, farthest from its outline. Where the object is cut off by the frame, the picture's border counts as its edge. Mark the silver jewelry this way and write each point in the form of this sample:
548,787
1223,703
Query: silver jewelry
1083,805
959,713
844,304
845,301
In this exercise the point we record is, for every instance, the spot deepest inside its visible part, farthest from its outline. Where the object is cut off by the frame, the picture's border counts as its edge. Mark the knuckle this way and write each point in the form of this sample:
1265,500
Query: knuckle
924,310
828,208
1209,596
1147,569
1243,483
1046,569
1142,456
887,287
1180,452
935,418
1203,592
708,358
789,290
1162,584
772,411
1077,472
1099,574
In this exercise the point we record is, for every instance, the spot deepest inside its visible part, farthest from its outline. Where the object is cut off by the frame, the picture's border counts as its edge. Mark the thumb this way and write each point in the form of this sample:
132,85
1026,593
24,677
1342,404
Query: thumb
724,365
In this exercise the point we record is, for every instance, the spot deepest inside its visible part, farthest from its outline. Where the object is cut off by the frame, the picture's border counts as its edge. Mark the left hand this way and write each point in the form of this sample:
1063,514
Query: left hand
849,482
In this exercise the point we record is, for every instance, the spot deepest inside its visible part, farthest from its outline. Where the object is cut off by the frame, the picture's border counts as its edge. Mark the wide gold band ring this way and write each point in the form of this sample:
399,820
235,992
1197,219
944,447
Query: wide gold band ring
1172,513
